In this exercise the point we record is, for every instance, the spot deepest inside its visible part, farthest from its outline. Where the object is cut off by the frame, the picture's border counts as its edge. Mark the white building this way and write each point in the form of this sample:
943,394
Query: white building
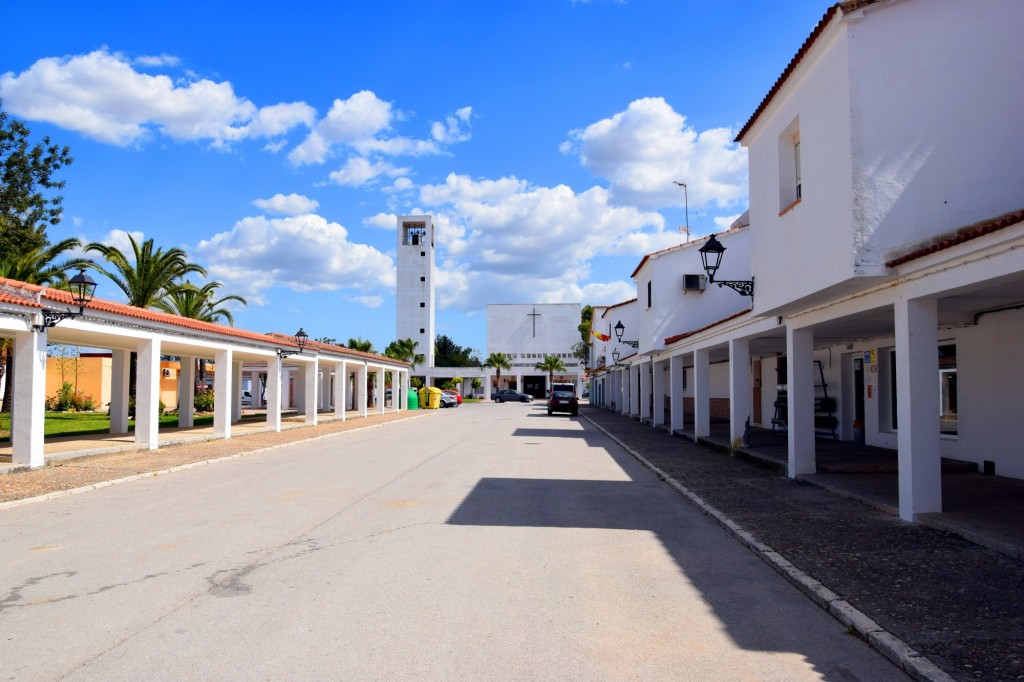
886,242
414,290
526,333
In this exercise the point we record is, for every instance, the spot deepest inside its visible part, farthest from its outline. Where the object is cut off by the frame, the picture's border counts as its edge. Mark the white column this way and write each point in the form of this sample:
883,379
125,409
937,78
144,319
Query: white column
623,379
702,393
340,386
800,397
487,386
147,394
739,389
645,389
917,407
274,387
236,402
658,386
676,392
187,392
28,402
380,390
120,370
361,377
310,373
223,390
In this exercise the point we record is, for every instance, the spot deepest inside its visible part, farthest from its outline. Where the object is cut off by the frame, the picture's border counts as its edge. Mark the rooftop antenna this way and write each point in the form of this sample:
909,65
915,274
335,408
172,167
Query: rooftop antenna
686,200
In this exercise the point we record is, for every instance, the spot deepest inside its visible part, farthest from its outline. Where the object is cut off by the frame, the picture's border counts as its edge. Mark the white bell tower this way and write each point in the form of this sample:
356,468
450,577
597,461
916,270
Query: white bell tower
415,286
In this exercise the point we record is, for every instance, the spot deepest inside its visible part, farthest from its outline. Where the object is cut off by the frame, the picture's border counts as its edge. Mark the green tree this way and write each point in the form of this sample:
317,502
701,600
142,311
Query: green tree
579,349
28,186
198,303
498,361
35,266
447,353
361,345
405,351
149,275
146,278
550,364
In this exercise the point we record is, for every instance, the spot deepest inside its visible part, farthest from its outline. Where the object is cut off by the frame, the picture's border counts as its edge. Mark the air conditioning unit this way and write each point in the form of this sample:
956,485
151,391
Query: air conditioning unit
694,282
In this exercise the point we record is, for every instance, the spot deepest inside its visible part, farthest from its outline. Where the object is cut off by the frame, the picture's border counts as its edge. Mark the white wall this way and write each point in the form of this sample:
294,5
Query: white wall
937,118
814,237
675,311
410,291
512,329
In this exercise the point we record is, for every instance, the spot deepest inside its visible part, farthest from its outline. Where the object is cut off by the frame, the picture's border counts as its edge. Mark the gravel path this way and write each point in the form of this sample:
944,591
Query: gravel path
959,604
85,471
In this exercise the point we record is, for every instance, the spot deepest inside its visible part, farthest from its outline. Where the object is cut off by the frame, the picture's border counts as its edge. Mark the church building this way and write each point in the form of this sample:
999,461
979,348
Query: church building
523,332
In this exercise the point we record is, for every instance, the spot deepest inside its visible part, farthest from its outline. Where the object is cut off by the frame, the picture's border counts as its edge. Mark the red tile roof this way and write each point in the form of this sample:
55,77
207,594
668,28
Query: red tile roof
680,337
959,236
844,7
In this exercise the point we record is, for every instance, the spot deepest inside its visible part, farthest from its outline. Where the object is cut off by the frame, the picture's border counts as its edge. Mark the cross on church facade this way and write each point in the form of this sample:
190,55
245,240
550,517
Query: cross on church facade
534,315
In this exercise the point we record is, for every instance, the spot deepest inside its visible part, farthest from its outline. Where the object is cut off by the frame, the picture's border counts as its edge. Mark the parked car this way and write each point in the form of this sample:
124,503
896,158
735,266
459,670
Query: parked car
508,395
563,401
246,398
448,400
454,394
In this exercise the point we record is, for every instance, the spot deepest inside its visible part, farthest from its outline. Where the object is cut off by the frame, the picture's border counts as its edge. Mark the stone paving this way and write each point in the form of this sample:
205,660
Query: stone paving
958,604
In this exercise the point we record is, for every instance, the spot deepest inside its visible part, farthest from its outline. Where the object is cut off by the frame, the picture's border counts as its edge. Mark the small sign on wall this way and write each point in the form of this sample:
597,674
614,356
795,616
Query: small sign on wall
869,356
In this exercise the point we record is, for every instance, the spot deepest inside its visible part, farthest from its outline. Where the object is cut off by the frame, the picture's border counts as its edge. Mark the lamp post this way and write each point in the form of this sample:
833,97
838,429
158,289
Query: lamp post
711,257
619,330
615,356
82,289
301,337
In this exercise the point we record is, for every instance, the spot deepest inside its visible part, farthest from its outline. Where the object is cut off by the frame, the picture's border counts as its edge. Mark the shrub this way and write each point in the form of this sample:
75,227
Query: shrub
70,400
204,400
448,385
131,407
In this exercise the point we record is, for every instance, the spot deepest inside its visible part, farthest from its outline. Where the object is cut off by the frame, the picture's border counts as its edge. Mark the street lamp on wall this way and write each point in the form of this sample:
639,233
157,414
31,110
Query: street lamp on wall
615,356
82,289
619,330
301,337
711,258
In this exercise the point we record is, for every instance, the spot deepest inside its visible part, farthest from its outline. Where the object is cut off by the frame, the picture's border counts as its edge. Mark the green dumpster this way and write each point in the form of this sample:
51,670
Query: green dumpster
412,400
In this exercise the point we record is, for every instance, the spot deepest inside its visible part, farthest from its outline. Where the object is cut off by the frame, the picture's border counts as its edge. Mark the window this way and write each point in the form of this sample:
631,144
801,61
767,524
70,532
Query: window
947,390
423,253
422,304
423,331
423,279
790,167
648,294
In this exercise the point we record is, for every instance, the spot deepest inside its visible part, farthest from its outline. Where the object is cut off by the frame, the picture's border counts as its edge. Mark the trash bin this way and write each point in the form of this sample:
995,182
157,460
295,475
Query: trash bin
435,398
412,400
424,398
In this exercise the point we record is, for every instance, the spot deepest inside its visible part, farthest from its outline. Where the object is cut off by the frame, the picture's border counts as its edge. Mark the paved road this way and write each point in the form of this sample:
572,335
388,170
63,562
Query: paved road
484,542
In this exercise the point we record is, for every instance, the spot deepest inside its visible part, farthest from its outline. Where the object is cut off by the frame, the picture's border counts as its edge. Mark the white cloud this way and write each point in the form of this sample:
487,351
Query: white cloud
157,60
724,222
292,204
368,301
503,240
359,171
303,253
643,150
382,221
451,130
360,117
102,96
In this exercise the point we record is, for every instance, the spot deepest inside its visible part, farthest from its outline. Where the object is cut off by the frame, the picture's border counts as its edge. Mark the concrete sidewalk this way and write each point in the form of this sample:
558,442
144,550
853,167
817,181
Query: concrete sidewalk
958,604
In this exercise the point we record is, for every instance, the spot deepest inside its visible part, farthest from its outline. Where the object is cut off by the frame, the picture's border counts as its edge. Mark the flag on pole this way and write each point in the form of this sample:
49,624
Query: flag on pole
603,337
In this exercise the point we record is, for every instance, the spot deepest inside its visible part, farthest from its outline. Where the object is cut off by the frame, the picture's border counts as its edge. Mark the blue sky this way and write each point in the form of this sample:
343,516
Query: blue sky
276,142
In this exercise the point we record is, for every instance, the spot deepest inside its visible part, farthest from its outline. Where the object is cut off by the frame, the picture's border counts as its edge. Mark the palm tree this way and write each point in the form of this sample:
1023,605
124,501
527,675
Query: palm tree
197,303
360,345
152,275
550,364
36,266
405,350
498,361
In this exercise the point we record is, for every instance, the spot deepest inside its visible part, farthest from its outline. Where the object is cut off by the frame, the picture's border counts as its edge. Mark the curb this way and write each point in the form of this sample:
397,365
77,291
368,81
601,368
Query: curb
896,650
182,467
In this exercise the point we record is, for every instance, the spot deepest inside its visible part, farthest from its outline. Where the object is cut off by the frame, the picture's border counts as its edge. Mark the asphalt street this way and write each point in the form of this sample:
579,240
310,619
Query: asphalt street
483,542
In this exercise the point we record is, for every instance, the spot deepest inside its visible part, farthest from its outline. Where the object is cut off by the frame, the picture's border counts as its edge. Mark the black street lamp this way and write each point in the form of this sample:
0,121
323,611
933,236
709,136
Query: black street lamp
82,289
711,258
301,338
615,356
619,329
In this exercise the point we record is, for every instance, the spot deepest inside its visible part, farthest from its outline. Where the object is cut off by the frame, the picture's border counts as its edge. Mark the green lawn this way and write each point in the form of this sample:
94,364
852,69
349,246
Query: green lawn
83,423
